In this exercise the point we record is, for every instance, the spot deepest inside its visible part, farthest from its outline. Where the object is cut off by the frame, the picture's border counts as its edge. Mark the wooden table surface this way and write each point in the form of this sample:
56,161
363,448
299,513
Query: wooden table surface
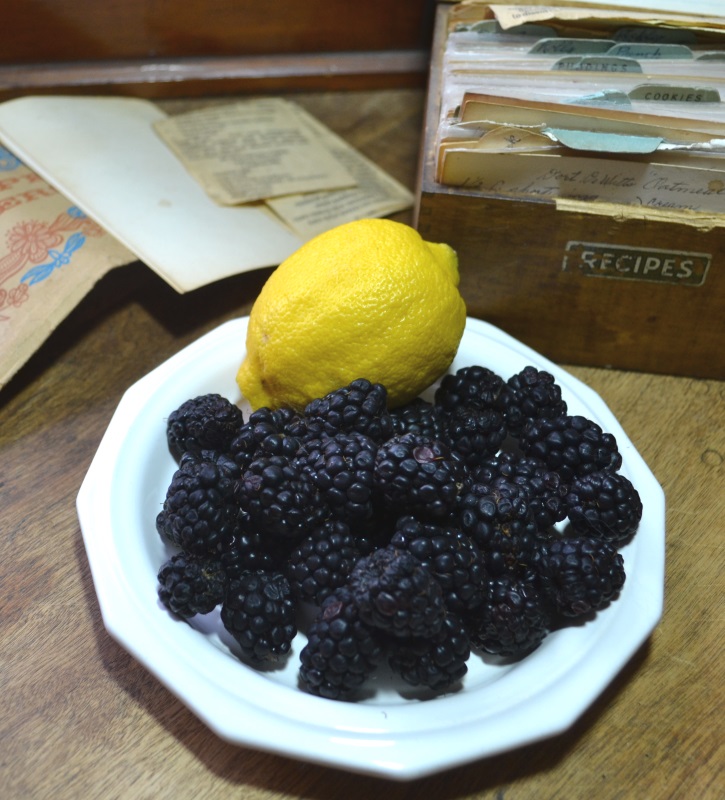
82,719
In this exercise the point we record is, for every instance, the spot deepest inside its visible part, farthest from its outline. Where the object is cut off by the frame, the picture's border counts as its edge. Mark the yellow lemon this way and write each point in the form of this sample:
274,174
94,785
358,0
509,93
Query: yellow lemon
367,299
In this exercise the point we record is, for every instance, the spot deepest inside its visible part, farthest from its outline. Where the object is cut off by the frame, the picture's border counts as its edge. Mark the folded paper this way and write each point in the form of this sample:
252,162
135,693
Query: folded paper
51,255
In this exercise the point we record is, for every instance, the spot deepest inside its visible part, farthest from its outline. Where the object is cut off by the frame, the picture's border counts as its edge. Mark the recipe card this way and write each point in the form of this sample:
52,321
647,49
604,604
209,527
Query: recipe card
376,194
273,150
252,150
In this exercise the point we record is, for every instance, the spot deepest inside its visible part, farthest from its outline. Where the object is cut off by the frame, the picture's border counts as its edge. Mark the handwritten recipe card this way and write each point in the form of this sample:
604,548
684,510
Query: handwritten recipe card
589,104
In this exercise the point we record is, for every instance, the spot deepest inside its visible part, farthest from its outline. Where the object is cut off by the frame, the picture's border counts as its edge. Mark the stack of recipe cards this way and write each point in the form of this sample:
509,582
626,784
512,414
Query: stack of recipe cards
600,104
272,151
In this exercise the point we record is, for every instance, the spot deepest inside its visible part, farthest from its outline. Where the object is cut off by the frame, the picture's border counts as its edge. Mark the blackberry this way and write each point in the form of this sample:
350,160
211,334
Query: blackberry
420,417
530,394
266,432
376,532
470,387
436,663
341,651
498,517
201,510
605,505
281,419
342,468
451,556
250,551
397,594
278,444
514,618
190,585
547,492
359,407
207,422
571,445
322,562
279,499
259,612
418,475
303,429
580,575
475,434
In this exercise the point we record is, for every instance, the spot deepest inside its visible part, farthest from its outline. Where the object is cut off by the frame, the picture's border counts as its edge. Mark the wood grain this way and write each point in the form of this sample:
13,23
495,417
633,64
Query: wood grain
81,718
204,47
85,30
219,75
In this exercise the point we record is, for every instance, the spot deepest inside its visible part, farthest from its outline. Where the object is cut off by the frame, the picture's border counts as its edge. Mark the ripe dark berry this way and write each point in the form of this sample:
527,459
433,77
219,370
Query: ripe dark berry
322,562
359,407
547,492
200,511
499,519
248,550
530,394
341,650
437,663
475,434
605,505
452,557
571,445
397,594
420,417
207,422
580,575
414,474
265,433
259,612
190,585
469,387
342,468
513,620
279,500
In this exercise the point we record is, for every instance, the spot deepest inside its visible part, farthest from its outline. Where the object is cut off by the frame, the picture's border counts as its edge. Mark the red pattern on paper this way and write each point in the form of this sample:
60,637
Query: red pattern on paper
15,297
30,241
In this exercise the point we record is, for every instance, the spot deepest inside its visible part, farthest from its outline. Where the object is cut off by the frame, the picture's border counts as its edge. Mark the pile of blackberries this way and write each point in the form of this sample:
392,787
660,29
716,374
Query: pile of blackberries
474,523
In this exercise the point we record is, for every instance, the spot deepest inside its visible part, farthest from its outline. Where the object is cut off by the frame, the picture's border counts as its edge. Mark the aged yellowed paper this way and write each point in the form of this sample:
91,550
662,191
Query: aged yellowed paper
273,149
252,150
51,255
375,195
692,185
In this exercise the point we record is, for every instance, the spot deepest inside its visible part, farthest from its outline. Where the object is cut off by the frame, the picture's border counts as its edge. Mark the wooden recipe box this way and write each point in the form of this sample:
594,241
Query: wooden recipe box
583,283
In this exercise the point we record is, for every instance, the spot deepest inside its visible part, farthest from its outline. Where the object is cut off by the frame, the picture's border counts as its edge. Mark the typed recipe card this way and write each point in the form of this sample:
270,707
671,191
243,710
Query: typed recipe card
271,150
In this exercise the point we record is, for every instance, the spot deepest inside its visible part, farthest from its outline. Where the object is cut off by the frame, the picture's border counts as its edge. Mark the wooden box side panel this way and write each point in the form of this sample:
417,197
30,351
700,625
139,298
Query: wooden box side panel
519,271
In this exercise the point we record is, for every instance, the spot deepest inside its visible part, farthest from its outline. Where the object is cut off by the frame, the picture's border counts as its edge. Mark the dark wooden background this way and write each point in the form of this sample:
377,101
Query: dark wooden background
165,48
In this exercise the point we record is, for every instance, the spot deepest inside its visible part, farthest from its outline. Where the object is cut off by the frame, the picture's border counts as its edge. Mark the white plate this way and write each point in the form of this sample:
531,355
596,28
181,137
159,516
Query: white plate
391,733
